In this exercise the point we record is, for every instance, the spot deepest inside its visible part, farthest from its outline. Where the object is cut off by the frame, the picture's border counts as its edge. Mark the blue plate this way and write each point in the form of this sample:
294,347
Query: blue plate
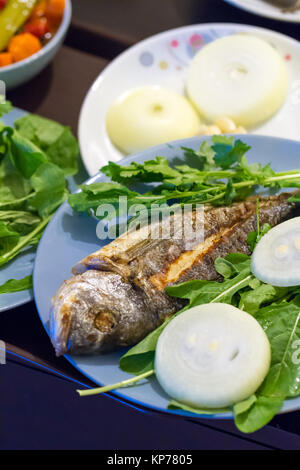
70,237
22,265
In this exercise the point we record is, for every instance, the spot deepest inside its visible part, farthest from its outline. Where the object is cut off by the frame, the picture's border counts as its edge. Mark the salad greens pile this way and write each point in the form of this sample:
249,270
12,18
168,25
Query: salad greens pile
36,156
217,174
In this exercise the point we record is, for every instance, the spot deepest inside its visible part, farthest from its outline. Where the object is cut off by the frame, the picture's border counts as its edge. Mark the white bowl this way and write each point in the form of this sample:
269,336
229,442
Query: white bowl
20,72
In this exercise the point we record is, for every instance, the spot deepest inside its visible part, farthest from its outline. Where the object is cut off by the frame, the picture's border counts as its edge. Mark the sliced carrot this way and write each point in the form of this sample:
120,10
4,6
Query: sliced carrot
23,45
55,11
39,10
5,59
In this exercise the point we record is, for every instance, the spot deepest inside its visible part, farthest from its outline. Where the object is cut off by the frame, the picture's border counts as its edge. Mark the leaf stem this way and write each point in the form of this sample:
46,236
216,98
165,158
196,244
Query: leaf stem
107,388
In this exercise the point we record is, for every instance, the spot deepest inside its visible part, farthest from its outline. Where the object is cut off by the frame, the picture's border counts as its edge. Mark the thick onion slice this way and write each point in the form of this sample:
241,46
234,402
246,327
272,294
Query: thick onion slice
148,116
212,356
276,257
240,76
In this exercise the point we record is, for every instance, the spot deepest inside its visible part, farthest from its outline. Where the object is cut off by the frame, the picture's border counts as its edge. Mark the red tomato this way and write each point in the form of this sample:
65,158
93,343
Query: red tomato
3,4
38,27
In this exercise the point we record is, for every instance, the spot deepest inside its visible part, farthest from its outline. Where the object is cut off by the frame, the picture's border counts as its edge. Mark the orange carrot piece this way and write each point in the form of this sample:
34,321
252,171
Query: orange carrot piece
5,59
39,10
55,11
23,45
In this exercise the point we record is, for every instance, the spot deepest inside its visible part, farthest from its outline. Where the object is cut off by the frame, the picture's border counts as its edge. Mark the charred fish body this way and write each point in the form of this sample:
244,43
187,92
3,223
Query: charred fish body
117,294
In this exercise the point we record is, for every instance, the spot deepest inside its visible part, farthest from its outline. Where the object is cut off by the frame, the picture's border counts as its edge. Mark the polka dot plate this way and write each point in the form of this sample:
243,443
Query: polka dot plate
163,60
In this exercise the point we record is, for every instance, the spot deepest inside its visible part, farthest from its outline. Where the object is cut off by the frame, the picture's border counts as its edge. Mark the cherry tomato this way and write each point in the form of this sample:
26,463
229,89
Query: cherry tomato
38,27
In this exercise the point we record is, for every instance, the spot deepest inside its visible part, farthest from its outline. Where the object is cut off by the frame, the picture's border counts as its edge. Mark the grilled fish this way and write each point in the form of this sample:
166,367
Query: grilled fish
117,294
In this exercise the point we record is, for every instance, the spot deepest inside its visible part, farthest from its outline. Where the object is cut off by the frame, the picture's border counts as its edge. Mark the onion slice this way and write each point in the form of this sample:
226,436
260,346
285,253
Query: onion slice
241,76
276,257
213,356
150,115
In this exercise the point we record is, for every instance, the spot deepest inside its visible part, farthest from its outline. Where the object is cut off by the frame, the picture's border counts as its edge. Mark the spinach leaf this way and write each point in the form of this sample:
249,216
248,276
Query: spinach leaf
281,323
8,238
5,106
35,156
49,185
56,141
252,300
16,285
258,414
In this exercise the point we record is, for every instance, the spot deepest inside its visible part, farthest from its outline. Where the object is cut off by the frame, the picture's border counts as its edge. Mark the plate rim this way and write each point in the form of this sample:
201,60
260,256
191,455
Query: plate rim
273,15
287,404
121,57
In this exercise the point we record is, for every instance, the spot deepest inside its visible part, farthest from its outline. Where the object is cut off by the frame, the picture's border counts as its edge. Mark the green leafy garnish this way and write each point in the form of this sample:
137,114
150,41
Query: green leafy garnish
218,173
56,141
35,156
16,285
281,322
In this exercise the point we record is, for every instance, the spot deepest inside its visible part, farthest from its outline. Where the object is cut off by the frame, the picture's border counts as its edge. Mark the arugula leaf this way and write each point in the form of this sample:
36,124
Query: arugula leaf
228,152
203,182
16,285
150,171
92,195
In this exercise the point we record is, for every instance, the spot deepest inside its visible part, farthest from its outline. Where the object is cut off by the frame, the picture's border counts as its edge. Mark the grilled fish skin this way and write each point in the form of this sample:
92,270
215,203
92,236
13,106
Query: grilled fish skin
117,294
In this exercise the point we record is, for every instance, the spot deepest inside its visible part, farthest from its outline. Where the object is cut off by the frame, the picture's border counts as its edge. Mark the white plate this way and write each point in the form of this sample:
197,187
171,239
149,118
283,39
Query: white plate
163,60
260,7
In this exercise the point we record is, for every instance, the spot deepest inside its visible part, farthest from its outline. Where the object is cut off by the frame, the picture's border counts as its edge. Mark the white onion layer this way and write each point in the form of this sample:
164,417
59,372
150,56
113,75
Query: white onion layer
240,76
212,356
148,116
276,257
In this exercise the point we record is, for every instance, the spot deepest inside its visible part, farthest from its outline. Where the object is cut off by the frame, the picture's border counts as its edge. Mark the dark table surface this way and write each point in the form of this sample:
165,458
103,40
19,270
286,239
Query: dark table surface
40,409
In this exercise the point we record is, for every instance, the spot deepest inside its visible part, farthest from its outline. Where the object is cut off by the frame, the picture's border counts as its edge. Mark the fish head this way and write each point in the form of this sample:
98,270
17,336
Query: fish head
94,311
